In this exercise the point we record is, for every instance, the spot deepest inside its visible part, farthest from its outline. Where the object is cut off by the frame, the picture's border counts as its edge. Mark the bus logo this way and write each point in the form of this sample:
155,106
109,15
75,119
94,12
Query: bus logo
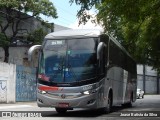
63,96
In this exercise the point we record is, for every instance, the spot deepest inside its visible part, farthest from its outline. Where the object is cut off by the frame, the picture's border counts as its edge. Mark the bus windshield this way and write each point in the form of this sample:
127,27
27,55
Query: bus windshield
66,61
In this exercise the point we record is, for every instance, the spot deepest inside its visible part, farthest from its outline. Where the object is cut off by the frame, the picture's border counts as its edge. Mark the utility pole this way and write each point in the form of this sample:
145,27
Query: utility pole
157,83
144,78
52,27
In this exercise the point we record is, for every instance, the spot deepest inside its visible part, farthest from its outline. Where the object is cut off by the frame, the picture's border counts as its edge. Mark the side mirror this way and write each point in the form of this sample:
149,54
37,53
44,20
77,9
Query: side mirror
101,56
100,47
31,50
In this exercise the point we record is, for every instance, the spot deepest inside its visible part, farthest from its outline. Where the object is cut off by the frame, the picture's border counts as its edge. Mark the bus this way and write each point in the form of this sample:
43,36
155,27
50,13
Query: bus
84,69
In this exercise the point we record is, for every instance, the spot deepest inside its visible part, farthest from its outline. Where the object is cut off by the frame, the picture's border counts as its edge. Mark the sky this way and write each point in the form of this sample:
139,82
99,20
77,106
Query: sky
67,15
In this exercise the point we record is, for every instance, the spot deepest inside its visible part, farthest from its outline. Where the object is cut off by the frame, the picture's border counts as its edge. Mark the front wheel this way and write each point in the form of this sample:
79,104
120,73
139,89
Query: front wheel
108,108
61,110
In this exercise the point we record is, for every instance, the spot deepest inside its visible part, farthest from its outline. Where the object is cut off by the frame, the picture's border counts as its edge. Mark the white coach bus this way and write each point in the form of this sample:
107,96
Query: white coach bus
84,69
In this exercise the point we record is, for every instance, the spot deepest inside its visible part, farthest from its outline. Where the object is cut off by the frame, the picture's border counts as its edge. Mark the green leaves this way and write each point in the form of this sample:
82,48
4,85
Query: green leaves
3,40
13,15
44,7
135,23
37,36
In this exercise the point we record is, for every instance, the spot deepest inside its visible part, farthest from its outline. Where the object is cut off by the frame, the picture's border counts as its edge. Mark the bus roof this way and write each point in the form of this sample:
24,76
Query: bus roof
78,33
74,33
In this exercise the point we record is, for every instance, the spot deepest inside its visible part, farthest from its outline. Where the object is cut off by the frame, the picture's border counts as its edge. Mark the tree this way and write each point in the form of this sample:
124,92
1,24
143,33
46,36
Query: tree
37,36
135,23
14,12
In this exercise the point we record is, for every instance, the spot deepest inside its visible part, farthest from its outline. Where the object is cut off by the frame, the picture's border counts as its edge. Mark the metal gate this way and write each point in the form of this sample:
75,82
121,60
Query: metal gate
3,91
25,83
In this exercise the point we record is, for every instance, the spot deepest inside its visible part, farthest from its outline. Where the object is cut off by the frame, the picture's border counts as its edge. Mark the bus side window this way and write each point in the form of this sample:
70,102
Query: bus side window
113,53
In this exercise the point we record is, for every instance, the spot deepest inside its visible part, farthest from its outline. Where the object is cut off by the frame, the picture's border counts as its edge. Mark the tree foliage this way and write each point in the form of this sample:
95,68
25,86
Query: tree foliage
135,23
15,12
37,36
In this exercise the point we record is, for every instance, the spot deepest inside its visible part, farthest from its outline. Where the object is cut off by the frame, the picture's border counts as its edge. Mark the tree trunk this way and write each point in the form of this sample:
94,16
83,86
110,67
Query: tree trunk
6,53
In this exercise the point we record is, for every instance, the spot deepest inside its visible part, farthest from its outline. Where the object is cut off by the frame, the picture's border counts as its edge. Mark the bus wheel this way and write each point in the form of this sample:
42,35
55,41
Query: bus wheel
127,105
131,101
61,110
107,109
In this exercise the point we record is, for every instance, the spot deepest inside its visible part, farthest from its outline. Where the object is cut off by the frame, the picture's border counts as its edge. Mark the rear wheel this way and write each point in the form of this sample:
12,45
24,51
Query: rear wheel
131,101
129,104
61,110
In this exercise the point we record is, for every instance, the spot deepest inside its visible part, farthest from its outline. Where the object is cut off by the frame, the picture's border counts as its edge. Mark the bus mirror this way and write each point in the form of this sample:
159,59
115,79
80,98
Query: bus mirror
99,49
31,50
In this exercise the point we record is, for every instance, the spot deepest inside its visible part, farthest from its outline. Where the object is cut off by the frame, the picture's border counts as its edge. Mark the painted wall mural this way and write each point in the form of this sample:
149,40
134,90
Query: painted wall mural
25,83
3,91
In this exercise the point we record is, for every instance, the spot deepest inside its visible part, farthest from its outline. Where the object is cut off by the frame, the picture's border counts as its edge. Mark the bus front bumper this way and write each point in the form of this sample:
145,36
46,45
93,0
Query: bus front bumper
84,101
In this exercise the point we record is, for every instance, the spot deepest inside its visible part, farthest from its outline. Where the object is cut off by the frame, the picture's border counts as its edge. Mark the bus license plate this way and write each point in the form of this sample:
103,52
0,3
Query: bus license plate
64,105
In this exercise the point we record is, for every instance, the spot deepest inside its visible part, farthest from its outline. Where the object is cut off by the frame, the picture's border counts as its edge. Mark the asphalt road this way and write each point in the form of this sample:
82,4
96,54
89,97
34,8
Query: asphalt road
143,109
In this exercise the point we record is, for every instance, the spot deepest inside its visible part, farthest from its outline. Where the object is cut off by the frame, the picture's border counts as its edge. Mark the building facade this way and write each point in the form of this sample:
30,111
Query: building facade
148,79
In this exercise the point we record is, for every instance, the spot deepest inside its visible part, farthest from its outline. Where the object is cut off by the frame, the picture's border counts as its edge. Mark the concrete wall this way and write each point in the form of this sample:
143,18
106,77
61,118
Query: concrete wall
1,54
150,84
29,25
18,56
25,26
7,82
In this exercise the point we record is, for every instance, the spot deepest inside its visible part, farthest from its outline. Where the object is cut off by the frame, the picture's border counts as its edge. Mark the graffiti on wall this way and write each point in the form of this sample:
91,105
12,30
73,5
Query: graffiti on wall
3,91
25,84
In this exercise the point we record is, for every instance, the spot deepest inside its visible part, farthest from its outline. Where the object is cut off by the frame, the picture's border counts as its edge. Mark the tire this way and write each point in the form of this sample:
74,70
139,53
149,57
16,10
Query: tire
139,96
108,108
129,104
131,101
61,110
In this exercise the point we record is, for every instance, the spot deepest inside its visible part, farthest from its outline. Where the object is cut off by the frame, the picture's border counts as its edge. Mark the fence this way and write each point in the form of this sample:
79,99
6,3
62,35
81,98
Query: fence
7,82
17,83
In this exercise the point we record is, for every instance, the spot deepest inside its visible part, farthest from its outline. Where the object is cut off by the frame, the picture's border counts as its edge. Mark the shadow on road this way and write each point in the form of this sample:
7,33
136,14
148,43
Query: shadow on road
82,113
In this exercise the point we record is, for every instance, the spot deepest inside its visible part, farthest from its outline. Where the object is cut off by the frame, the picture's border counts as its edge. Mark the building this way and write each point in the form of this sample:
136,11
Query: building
148,79
18,54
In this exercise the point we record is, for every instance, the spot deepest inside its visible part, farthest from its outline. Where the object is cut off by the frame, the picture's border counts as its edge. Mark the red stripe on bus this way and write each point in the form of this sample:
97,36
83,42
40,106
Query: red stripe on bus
47,88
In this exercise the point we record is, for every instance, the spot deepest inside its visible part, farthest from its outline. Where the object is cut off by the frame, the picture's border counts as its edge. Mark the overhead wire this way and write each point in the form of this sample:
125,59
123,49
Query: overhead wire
62,19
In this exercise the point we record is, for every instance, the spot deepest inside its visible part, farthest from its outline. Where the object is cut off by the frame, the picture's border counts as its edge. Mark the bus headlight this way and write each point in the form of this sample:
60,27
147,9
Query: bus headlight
42,91
89,92
86,93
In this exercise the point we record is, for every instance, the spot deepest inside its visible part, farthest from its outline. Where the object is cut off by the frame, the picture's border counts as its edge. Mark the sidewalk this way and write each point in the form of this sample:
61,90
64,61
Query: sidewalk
18,105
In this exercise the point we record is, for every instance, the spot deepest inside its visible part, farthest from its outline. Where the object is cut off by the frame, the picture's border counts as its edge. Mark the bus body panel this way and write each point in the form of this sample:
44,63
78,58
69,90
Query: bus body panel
113,63
74,96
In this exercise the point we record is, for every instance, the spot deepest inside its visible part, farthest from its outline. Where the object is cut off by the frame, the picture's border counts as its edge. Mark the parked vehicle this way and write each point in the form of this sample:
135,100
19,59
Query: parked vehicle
140,93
